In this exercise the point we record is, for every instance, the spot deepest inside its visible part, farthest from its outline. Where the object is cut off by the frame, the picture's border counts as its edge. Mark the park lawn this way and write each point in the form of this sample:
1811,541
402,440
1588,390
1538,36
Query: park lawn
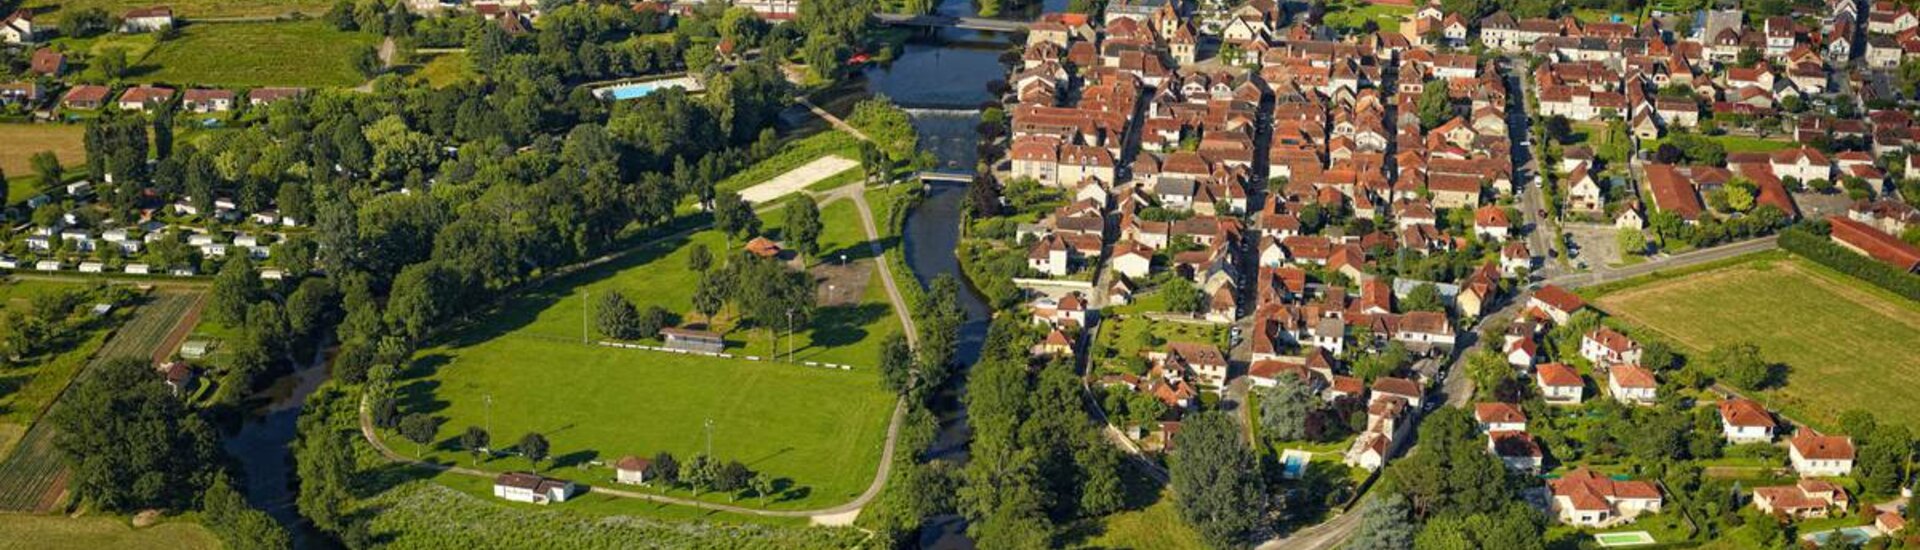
658,276
1158,526
300,53
819,430
845,235
793,154
602,504
1840,338
445,69
24,140
182,8
55,532
1353,13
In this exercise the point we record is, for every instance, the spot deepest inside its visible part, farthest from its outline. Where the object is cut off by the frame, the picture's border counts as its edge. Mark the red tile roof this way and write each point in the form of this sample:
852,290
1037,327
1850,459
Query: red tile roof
1558,375
1498,413
1822,447
1559,298
1869,240
1672,192
1745,413
1632,376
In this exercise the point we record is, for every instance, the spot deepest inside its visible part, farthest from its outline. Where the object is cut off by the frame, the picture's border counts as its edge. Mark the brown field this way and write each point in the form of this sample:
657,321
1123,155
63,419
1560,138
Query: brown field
23,140
1847,345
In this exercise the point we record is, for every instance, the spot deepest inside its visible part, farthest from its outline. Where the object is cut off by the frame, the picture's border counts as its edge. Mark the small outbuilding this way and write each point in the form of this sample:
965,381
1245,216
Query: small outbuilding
693,340
531,487
632,470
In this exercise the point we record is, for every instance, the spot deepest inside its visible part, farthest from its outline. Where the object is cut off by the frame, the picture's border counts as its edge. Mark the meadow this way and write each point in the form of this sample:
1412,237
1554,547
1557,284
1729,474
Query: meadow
1840,338
25,140
52,9
298,53
57,532
816,431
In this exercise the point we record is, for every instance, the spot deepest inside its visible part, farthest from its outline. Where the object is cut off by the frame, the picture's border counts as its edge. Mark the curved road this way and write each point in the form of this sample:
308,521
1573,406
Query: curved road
843,514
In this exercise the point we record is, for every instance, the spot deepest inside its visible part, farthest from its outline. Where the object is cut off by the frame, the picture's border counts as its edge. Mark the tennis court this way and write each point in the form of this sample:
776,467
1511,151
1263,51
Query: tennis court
1629,538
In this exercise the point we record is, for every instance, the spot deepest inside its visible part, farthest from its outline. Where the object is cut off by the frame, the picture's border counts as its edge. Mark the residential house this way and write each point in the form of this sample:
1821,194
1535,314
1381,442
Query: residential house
1745,421
1556,303
143,97
86,97
1603,346
1810,498
1388,387
1560,384
48,63
1585,498
1499,417
1816,455
1517,450
202,100
631,470
1870,241
18,28
1632,384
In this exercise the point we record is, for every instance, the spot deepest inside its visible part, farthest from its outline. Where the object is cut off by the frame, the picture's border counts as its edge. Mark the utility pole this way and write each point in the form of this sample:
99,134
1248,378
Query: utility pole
586,303
789,335
709,438
488,399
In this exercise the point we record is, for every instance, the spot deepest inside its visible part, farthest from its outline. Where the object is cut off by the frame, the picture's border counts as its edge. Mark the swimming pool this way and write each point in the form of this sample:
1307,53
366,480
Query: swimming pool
1855,535
635,90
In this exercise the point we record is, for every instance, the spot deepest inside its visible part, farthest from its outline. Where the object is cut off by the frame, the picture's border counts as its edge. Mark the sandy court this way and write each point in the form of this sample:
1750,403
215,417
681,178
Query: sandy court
797,179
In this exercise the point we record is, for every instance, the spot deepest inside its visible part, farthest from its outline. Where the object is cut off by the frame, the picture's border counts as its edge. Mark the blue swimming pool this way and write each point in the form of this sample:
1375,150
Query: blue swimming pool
634,90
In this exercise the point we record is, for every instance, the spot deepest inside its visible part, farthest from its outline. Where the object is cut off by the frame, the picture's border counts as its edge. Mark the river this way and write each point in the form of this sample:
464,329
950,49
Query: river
262,446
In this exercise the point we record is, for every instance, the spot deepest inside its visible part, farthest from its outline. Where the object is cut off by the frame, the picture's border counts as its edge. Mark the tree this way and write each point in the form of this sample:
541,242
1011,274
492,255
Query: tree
1386,523
700,474
239,525
803,226
47,166
709,296
762,485
534,447
1183,297
1489,371
1631,241
419,429
699,258
474,440
1216,480
366,61
652,320
617,317
1434,106
112,62
1423,297
128,444
665,468
896,363
731,478
733,216
1285,408
234,288
1740,365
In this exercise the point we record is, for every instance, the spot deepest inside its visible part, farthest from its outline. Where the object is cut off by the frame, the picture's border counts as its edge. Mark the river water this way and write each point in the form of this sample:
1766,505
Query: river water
262,447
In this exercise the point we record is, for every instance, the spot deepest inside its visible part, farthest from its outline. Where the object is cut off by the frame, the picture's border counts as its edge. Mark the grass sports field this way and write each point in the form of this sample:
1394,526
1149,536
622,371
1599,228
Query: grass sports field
183,8
1352,14
1840,338
88,533
25,140
820,430
299,53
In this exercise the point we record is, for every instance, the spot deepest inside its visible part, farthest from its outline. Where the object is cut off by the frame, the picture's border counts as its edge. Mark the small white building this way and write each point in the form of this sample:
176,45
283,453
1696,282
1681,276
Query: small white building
534,488
1744,421
1633,385
1604,346
632,470
1560,384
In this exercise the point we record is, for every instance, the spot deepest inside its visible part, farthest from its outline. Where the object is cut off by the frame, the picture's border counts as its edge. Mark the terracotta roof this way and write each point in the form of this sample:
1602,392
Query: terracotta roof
632,463
1672,192
1822,447
1745,413
1558,375
1498,413
1559,298
1513,443
1588,490
1874,243
1617,342
1397,386
1632,376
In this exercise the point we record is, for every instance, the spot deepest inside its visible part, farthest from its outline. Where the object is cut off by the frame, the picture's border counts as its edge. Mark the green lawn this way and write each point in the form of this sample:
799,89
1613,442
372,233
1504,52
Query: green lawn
1125,335
1353,13
1840,338
1734,144
445,69
1158,527
184,8
301,53
819,430
55,532
794,154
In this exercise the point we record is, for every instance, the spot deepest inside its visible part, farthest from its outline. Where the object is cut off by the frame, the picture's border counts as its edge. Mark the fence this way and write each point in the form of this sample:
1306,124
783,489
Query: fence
722,355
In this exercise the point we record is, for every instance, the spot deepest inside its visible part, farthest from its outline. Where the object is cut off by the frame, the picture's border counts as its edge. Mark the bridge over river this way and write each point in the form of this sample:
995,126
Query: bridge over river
933,21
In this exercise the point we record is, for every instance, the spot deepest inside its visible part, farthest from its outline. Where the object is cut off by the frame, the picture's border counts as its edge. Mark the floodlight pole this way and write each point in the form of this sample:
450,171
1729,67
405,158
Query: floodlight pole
488,399
709,438
586,302
789,335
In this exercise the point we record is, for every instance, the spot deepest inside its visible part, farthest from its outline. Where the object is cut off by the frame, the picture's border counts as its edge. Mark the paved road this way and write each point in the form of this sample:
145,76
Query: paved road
1696,257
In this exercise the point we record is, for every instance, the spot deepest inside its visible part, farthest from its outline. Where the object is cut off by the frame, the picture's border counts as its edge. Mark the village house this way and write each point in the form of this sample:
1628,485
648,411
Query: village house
1556,303
1816,455
1560,384
143,97
47,63
1388,387
1870,241
200,100
86,97
533,488
1745,421
1204,361
1070,310
1810,498
1585,498
1517,450
18,28
1603,346
1499,417
1632,384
